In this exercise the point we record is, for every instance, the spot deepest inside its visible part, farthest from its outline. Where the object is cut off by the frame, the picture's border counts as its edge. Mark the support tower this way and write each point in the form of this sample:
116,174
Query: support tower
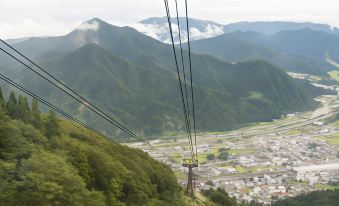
190,164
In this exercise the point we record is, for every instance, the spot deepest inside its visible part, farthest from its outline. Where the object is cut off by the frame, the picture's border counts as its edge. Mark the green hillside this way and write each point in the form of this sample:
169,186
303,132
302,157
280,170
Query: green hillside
147,99
133,78
46,161
308,43
288,50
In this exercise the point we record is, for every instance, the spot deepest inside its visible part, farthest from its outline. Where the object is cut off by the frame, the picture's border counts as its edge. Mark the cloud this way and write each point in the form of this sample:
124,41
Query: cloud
35,28
52,18
148,29
209,31
94,26
155,31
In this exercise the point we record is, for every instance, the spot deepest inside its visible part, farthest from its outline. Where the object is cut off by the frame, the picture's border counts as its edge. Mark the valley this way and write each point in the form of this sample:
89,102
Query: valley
133,78
265,160
265,108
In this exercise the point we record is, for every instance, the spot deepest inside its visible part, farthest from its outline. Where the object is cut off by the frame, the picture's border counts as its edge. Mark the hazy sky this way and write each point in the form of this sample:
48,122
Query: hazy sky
21,18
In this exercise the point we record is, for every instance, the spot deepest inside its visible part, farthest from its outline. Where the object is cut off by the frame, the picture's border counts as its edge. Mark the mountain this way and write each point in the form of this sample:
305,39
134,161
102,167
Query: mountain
17,40
133,77
157,27
307,42
298,47
273,27
303,51
50,161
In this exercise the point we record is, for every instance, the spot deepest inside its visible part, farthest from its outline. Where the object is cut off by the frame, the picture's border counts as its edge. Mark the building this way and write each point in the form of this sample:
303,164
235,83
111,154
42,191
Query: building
313,172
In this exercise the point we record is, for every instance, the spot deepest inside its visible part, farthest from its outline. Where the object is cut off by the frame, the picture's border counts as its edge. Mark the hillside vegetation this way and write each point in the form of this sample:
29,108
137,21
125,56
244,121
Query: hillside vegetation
303,51
133,78
323,198
47,161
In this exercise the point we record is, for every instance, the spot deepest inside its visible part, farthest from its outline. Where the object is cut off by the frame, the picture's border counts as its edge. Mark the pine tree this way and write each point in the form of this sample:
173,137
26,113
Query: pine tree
51,125
24,112
80,162
36,115
11,105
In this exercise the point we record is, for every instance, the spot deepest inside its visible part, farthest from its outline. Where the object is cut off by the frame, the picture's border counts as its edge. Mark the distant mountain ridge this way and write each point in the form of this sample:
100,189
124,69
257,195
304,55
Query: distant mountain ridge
157,27
132,76
304,51
313,44
273,27
298,47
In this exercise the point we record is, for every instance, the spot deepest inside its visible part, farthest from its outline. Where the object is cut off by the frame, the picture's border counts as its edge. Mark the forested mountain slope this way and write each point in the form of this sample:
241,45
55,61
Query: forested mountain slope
45,161
133,77
303,51
148,100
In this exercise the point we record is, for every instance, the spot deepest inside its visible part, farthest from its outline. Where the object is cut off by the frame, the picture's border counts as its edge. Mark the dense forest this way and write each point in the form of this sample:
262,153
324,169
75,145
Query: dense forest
47,161
219,197
317,198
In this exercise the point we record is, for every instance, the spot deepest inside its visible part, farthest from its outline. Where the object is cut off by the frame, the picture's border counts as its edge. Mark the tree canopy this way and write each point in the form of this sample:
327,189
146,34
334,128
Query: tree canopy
48,161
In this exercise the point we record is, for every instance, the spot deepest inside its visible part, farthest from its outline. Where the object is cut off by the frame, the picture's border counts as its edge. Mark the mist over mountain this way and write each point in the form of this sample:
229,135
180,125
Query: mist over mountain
157,27
288,45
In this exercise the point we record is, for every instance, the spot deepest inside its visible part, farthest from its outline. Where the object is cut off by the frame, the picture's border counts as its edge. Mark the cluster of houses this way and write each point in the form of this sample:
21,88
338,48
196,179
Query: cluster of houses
264,167
279,167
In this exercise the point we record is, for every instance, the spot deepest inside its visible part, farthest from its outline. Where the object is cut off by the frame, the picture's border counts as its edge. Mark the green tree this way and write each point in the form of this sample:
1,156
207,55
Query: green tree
23,110
11,105
80,162
36,115
77,168
219,197
210,156
12,144
210,183
48,180
51,124
223,155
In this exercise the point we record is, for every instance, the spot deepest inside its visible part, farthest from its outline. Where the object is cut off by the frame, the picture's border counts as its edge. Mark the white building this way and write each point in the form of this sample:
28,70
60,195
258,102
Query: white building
310,172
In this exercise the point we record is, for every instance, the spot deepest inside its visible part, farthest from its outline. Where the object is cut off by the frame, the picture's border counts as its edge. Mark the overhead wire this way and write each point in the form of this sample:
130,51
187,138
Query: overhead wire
191,75
183,71
74,94
9,81
74,119
108,118
179,77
